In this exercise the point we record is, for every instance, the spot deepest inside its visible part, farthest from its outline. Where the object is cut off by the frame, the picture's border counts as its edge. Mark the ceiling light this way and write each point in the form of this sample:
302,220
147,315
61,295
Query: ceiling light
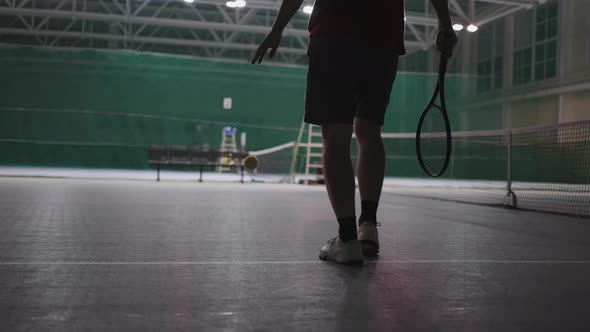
308,9
236,4
472,28
458,27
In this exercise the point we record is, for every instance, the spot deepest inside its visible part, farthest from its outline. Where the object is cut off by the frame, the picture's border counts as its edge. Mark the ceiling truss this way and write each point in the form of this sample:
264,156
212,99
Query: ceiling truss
204,28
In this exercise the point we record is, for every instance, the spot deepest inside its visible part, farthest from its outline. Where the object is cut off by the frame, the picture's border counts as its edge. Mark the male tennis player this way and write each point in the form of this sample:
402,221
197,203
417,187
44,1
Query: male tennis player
353,57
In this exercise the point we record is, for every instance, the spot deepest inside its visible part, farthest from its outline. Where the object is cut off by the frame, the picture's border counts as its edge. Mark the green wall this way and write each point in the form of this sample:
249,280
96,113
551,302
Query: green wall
101,109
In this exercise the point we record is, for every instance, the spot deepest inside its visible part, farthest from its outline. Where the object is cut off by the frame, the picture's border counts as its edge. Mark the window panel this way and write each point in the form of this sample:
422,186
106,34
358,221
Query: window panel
541,31
498,72
542,63
499,37
490,48
541,14
540,53
517,59
480,68
520,76
499,64
527,72
552,11
551,50
528,56
498,82
540,71
552,29
551,69
484,72
484,42
523,24
517,76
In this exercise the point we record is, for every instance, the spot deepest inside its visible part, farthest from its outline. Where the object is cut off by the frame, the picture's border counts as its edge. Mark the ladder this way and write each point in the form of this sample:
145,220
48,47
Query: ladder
228,144
313,153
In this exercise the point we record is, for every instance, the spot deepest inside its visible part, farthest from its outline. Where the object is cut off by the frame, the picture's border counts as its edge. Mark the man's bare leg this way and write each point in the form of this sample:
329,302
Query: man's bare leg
339,177
371,159
371,171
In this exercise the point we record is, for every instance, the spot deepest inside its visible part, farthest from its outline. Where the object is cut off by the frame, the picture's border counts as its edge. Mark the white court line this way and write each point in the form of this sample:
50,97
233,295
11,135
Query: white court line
428,261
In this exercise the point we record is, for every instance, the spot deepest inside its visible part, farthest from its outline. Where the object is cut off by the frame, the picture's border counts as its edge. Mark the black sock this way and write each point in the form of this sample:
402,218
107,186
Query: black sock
347,229
368,212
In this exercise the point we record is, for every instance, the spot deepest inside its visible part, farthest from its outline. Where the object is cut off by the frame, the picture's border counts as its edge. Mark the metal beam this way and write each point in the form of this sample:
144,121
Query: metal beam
205,24
457,8
151,40
497,15
175,23
528,4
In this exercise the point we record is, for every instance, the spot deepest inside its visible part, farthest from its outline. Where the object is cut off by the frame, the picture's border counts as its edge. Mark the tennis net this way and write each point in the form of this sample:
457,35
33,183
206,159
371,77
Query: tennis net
551,168
541,168
273,163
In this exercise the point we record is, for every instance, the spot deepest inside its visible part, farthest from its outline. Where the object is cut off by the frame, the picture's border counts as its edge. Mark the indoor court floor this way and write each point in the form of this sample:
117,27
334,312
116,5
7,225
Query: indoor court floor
105,255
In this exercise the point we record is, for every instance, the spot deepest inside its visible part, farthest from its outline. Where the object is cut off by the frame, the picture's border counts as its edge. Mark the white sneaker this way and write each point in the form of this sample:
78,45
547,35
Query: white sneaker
341,252
369,238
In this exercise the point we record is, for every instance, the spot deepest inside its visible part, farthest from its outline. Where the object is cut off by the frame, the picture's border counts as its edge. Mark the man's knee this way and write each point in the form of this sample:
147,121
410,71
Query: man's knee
336,133
337,137
367,131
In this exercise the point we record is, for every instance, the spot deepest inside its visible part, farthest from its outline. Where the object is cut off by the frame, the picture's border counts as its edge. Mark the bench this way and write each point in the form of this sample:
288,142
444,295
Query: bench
195,156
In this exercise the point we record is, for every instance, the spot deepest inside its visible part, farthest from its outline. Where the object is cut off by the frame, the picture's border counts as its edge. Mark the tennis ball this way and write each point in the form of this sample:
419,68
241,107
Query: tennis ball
250,162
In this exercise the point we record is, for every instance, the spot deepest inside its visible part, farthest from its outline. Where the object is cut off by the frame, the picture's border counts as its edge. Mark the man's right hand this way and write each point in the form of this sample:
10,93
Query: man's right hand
446,41
272,42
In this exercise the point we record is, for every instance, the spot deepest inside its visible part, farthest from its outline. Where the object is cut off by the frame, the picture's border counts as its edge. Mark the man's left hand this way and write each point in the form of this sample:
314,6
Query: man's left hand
446,41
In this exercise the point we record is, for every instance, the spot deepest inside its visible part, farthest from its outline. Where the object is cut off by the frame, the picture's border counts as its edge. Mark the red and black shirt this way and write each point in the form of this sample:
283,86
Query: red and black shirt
381,22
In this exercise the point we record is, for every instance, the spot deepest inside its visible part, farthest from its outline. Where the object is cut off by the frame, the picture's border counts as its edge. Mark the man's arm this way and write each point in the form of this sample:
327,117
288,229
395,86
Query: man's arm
442,10
446,39
272,41
288,9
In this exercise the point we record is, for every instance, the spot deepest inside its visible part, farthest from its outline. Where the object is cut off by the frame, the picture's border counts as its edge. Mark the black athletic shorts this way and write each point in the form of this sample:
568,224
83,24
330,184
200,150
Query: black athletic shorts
347,78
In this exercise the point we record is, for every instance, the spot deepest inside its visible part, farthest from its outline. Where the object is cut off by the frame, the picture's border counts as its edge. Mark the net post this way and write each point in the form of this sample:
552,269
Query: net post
510,195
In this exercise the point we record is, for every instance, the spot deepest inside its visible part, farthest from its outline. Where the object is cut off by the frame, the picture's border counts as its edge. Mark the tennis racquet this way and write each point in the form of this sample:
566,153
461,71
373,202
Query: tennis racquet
433,137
